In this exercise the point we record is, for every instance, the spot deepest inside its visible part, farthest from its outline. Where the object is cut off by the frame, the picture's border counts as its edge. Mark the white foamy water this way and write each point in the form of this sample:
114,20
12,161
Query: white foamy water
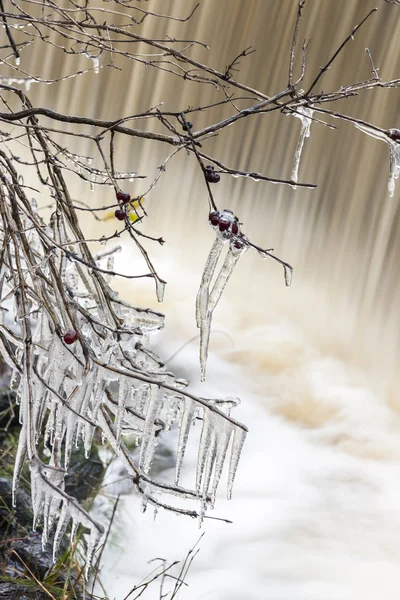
315,508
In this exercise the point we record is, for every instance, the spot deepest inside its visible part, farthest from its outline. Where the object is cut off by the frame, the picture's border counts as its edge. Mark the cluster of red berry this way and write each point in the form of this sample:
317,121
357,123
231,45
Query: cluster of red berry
210,174
225,222
124,198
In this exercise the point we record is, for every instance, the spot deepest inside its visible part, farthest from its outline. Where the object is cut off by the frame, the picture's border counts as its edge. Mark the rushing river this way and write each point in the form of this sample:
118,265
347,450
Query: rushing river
316,504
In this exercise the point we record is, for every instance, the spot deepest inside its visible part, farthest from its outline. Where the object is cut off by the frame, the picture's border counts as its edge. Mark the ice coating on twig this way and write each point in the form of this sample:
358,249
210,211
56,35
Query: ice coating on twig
82,363
392,138
305,115
226,227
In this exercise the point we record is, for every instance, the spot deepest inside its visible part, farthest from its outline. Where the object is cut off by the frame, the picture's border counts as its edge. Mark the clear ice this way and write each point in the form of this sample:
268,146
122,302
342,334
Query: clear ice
305,115
108,380
394,153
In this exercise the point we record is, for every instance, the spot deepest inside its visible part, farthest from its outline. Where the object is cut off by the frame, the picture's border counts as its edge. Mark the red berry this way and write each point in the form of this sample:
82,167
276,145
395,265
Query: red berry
123,197
395,134
209,168
214,218
238,244
224,224
71,336
120,214
235,228
211,176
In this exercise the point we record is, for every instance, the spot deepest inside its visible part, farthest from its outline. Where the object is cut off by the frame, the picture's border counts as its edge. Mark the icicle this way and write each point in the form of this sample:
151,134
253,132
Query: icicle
141,396
209,269
96,64
394,152
227,269
27,83
205,438
124,390
147,443
394,165
205,329
304,114
184,428
223,438
210,458
238,441
288,271
19,461
160,289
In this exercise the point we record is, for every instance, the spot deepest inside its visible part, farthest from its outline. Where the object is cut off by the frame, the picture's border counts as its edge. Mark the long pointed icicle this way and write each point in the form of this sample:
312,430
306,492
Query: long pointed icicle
184,428
234,253
209,269
394,165
237,445
205,438
147,443
205,329
304,114
227,269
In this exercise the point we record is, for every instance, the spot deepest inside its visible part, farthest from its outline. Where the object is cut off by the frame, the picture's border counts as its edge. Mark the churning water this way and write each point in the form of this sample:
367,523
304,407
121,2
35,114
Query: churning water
316,505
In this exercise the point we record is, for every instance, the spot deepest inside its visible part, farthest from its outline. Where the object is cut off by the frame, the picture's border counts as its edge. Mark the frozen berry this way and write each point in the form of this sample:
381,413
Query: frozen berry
395,134
123,197
238,244
235,228
210,175
187,126
71,336
120,214
214,218
223,224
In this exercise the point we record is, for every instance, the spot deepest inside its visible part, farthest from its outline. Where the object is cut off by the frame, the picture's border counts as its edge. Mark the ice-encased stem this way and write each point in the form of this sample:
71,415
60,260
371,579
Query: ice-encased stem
304,114
209,269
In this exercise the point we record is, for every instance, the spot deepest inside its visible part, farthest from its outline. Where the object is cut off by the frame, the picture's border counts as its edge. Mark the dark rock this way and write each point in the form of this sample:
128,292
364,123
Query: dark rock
10,590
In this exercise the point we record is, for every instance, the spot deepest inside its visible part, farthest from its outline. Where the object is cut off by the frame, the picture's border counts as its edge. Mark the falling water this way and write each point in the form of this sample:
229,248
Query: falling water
317,506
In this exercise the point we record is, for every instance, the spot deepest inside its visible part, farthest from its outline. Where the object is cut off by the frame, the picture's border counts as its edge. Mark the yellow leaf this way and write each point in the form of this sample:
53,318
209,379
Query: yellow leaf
133,216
